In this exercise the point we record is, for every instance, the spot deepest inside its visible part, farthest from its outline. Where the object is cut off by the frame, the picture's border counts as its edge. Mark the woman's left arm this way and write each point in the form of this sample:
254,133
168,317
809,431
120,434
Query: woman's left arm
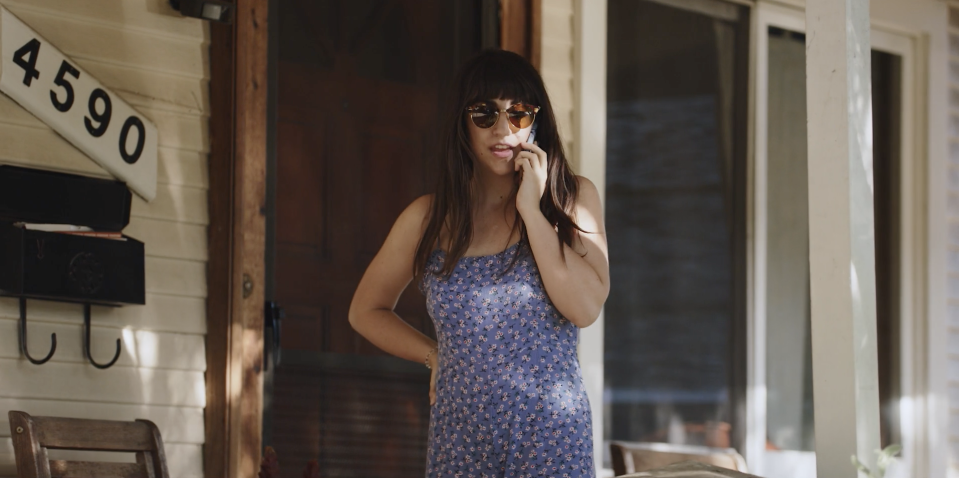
578,283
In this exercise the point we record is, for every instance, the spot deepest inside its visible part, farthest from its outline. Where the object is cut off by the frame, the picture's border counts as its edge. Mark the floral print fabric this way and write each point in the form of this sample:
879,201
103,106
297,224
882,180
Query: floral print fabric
510,400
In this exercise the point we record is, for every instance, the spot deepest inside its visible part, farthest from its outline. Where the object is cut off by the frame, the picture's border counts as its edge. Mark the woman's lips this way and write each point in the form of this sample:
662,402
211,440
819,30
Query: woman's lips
504,153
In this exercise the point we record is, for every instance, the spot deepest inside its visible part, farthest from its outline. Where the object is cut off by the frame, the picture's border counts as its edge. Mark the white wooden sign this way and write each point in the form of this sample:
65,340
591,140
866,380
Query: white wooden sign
58,92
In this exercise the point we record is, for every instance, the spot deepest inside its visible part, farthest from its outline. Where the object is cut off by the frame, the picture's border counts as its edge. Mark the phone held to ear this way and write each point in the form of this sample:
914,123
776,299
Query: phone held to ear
532,134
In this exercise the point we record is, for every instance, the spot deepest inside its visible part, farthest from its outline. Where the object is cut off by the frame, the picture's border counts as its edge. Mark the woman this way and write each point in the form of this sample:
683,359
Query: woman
512,253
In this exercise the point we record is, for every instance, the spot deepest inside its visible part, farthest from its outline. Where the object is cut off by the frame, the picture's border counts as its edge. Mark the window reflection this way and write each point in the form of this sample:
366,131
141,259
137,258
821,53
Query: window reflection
675,212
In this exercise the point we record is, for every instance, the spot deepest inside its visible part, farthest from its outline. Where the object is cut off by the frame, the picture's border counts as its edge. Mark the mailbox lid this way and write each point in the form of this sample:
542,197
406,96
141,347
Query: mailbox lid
46,197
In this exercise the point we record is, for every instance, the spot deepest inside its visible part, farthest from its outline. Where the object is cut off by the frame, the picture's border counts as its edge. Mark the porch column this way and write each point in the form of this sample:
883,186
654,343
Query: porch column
841,242
589,151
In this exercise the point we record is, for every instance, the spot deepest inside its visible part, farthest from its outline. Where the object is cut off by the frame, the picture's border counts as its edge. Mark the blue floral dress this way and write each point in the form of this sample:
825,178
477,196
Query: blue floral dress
510,400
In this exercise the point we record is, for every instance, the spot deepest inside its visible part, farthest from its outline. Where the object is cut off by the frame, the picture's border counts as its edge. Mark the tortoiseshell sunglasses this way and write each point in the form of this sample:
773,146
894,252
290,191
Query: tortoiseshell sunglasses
485,115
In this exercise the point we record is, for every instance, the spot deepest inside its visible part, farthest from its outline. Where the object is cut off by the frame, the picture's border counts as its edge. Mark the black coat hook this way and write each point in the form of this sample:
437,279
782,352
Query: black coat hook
23,337
86,341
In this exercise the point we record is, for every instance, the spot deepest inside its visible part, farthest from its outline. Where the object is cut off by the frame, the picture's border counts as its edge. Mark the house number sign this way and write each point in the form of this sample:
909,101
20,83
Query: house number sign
95,120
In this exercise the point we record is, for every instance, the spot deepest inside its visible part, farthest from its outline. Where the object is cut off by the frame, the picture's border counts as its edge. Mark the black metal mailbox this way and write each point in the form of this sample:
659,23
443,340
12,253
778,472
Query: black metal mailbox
32,195
90,267
66,267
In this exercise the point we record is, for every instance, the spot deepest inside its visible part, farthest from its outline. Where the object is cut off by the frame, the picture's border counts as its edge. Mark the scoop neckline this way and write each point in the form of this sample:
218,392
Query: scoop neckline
504,251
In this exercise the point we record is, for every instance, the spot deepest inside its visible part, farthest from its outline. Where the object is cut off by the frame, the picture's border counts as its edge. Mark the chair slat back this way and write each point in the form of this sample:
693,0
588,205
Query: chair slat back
97,435
92,469
632,457
33,436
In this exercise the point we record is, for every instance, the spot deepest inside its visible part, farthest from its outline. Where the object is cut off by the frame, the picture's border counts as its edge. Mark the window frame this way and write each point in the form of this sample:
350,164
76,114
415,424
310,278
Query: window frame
912,321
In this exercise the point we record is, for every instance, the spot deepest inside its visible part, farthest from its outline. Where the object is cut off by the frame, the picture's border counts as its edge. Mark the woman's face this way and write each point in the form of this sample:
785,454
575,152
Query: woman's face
496,146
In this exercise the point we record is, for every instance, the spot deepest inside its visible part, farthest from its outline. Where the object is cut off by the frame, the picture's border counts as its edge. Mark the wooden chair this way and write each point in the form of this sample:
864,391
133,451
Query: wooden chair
33,436
632,457
689,469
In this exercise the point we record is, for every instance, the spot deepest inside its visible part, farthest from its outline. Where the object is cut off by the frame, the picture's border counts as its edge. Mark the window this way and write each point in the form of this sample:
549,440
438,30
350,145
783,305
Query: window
788,358
676,188
675,192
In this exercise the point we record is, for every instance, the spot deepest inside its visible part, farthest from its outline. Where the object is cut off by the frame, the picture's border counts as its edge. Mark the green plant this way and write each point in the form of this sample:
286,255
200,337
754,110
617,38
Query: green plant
882,462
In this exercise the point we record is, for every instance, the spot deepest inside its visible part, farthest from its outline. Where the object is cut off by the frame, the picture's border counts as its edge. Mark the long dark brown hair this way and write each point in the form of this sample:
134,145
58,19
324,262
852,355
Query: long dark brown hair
490,75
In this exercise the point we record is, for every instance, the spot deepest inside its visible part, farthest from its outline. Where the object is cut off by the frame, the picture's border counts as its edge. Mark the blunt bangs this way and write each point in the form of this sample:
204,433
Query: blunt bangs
501,75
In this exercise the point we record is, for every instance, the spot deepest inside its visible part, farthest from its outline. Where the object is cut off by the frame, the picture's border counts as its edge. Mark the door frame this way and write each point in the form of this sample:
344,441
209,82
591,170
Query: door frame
913,235
236,242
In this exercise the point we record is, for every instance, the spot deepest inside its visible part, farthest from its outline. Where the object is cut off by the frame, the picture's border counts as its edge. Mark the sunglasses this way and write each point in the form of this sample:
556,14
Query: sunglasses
484,115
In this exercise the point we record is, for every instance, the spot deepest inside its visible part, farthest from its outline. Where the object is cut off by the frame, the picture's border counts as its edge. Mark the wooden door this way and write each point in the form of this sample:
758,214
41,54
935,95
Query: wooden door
358,107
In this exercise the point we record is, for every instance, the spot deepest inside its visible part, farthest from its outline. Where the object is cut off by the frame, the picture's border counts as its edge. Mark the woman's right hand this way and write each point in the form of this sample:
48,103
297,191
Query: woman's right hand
434,371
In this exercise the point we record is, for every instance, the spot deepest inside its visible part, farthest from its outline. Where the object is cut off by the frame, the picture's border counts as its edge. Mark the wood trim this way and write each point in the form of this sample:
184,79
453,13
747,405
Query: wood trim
219,242
520,26
536,33
237,232
249,236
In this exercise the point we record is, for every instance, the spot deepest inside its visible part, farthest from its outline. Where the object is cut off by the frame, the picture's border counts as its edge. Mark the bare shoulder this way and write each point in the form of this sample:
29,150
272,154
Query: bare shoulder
412,221
588,194
588,212
419,209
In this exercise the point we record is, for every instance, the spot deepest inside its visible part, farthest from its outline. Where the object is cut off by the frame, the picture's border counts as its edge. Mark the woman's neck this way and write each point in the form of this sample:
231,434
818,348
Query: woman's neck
493,193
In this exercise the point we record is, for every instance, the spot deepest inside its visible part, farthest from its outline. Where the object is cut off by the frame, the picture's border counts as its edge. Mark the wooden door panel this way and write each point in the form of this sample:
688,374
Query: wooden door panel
358,109
393,170
312,281
303,327
358,423
305,94
296,420
301,202
314,297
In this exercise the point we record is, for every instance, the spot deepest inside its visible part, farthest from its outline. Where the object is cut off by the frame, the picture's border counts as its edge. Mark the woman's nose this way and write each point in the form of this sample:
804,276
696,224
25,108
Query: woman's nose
502,126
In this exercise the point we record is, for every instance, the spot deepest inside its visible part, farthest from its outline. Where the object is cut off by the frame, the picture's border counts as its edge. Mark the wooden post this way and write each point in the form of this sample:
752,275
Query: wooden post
841,235
249,238
237,235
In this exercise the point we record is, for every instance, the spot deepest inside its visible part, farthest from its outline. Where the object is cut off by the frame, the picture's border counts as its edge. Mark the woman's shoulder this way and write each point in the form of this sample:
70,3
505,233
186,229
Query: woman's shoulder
414,218
588,206
584,184
586,190
419,209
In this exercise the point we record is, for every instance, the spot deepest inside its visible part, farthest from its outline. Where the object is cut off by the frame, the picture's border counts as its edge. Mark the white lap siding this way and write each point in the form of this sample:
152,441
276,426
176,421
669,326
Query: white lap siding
561,67
158,62
556,66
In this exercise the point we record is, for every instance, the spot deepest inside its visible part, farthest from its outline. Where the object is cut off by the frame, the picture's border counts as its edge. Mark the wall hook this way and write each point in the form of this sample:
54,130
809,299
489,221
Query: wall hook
86,341
23,337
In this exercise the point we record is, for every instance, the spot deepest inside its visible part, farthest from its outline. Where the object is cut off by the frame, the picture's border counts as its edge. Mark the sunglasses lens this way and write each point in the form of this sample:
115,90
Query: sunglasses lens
521,119
482,115
521,116
483,120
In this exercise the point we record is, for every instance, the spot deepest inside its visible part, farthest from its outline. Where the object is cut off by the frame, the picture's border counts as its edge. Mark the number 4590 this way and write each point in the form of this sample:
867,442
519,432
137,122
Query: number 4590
99,119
